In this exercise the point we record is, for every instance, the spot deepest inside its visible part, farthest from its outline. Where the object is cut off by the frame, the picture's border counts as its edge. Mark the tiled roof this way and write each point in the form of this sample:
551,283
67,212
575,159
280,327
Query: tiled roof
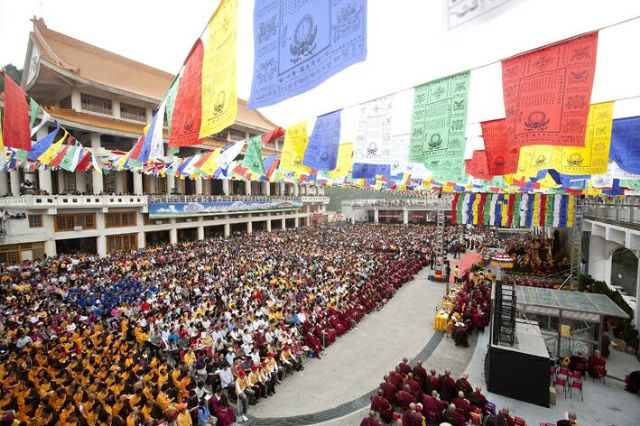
107,68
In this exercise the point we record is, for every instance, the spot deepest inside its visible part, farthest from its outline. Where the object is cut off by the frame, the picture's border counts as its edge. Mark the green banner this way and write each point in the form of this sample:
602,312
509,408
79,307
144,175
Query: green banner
34,110
171,100
253,156
67,160
438,126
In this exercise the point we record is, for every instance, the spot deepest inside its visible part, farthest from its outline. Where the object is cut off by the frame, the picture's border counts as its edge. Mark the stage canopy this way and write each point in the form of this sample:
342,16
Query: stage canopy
567,304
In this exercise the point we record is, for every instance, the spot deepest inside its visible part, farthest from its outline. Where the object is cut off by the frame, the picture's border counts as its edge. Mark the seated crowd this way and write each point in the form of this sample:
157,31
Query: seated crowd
413,396
176,332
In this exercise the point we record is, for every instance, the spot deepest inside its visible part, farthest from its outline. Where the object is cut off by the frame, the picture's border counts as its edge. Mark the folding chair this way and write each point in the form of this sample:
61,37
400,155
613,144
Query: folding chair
576,384
561,381
517,421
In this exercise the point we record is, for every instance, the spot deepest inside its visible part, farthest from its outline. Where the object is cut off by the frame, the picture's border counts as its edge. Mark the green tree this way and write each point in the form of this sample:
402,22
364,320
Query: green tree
14,72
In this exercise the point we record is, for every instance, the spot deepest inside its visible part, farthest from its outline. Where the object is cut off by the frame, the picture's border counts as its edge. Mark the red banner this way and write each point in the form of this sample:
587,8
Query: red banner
500,159
187,111
547,93
15,127
477,166
454,207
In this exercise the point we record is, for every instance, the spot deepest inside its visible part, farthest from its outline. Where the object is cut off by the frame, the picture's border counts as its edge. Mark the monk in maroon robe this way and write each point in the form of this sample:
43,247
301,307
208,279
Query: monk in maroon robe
477,399
462,405
405,397
382,406
389,390
420,374
432,408
596,366
370,420
415,387
462,384
404,366
396,378
313,343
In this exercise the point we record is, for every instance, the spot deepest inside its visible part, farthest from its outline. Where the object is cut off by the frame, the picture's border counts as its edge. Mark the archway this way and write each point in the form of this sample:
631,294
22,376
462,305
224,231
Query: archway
624,270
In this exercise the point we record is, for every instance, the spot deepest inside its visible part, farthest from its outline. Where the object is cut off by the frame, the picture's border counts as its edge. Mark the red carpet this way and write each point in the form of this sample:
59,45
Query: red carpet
467,260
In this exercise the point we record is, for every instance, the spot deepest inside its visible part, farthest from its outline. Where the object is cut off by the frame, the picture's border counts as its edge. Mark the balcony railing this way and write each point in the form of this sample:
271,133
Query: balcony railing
608,212
72,201
233,198
429,203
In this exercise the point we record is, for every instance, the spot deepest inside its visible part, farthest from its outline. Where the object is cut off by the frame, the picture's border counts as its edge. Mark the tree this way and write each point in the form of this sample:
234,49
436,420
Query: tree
14,72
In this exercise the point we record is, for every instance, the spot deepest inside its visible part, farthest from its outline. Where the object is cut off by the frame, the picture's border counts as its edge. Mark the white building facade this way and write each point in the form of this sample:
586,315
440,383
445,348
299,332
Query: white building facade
104,100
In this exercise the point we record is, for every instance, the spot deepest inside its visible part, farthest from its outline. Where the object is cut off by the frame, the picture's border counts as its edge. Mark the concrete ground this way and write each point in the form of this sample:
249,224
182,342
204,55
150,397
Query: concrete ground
606,404
356,363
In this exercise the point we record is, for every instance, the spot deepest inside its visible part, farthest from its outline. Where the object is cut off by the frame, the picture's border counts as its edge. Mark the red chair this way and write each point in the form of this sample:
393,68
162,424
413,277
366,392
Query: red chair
476,416
601,372
517,421
490,407
553,369
561,381
575,375
575,384
563,371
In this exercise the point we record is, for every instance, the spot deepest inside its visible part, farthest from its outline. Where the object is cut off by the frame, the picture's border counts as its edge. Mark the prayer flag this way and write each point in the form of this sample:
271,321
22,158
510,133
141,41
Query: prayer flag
501,160
62,153
69,162
219,101
373,141
48,155
171,100
270,165
253,156
209,165
1,140
322,149
16,131
43,144
625,144
34,110
295,144
153,145
477,166
368,171
273,135
187,112
343,164
547,93
298,45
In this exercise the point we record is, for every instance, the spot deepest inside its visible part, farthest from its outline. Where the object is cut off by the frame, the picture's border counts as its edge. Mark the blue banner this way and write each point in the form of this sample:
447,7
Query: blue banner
322,149
211,208
43,144
625,144
369,171
299,44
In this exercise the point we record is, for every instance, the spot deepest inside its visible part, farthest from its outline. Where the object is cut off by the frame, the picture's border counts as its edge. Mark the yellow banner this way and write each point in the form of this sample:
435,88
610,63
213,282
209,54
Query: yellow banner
535,218
51,152
219,102
210,166
571,208
343,165
593,158
295,143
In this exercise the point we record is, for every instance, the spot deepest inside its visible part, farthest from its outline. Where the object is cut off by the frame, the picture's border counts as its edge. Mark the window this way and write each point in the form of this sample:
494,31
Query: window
35,221
236,135
66,102
122,242
95,104
11,254
66,222
131,112
120,219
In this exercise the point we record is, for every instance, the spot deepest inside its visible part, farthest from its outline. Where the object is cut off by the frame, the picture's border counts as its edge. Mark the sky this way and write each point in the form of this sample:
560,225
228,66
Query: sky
407,45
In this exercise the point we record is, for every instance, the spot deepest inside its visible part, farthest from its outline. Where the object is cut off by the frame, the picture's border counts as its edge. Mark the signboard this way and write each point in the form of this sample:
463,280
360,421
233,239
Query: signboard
168,210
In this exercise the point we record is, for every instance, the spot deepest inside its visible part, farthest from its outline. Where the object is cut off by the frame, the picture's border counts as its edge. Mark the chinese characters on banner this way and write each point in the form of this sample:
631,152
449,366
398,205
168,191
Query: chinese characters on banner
547,93
300,44
373,142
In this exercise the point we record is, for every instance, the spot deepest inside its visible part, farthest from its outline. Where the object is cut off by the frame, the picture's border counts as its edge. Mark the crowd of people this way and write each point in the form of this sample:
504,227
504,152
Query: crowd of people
412,396
179,333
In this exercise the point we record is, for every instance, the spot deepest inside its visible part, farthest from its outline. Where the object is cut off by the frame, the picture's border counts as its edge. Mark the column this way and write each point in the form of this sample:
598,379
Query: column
268,225
296,222
266,188
227,229
225,186
353,216
50,248
376,217
137,183
282,188
4,183
171,184
284,223
199,186
153,184
120,182
173,233
296,190
321,190
60,177
247,187
405,216
249,227
14,177
141,240
81,182
76,100
200,232
101,243
98,186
